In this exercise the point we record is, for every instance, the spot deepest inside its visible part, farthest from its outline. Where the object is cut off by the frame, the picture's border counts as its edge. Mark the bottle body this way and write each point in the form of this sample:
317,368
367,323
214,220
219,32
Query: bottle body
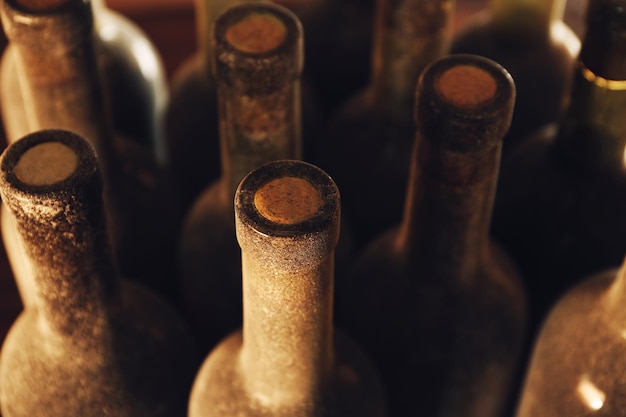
572,369
85,324
434,296
287,359
533,43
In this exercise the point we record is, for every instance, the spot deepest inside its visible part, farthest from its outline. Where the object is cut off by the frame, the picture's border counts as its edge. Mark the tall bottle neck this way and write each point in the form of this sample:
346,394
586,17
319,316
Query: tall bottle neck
54,193
527,18
593,129
408,35
58,71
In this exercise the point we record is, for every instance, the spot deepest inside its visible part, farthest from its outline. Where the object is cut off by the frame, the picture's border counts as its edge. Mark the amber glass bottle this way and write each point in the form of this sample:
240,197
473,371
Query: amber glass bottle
437,305
132,73
287,360
530,40
575,368
258,51
55,58
368,145
559,207
93,344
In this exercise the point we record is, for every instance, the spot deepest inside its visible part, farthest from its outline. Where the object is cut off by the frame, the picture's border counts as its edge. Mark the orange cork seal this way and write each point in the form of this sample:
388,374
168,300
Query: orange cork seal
41,5
46,164
288,200
257,33
466,86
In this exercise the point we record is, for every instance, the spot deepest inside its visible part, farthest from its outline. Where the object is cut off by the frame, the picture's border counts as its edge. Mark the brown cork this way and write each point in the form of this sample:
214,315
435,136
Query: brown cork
257,33
466,86
288,200
46,164
41,5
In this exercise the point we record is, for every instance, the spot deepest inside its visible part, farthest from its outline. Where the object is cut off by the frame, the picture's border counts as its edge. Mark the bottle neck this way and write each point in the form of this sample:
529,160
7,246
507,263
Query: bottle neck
527,18
287,351
448,211
59,76
257,128
408,35
592,132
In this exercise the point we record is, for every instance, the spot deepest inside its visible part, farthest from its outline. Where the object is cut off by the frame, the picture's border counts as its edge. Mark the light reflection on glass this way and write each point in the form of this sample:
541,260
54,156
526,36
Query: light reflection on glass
590,394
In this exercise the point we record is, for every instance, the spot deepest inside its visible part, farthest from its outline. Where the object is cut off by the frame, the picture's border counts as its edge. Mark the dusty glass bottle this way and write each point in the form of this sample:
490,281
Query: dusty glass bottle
132,73
287,360
56,60
367,147
438,306
258,61
559,205
575,368
530,40
192,119
92,343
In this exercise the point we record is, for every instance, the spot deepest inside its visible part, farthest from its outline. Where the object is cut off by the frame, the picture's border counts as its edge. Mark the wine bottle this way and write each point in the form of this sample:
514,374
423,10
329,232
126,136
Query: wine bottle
438,306
558,209
530,39
55,58
91,343
258,62
287,360
367,146
131,71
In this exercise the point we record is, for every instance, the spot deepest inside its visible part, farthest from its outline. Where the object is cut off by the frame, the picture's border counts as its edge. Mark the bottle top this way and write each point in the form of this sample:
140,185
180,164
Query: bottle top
258,47
288,210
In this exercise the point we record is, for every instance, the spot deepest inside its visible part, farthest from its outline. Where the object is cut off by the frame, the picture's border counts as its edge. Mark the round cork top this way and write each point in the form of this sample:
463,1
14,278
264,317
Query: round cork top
288,200
46,164
256,33
466,86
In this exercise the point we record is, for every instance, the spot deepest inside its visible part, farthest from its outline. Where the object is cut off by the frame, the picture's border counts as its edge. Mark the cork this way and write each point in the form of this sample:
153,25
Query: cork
257,33
46,164
466,86
288,200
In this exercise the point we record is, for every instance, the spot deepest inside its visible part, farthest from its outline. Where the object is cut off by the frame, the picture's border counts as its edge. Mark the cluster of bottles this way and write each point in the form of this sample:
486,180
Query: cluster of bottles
187,252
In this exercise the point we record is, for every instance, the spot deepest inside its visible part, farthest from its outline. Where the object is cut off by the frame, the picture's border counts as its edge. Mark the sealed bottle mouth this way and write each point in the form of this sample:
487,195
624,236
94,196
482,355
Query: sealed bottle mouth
466,86
288,200
46,164
257,33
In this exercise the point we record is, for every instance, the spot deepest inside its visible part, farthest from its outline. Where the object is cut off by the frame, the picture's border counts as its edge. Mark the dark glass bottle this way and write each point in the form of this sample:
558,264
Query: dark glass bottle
55,57
367,147
258,61
530,40
92,344
192,119
575,367
438,306
287,360
131,71
559,206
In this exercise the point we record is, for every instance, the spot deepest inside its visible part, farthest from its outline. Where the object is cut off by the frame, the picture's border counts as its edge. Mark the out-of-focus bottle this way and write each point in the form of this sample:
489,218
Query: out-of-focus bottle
258,62
287,360
530,40
91,344
368,144
438,306
559,205
56,62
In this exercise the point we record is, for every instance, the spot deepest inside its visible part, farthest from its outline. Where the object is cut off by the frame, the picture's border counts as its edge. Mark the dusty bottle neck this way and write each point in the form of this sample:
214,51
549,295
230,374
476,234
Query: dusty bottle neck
527,18
287,222
408,35
593,129
51,185
463,111
258,64
57,69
